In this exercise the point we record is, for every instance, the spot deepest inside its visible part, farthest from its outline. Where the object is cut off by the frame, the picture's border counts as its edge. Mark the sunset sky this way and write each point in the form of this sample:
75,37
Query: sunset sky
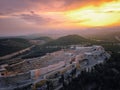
19,17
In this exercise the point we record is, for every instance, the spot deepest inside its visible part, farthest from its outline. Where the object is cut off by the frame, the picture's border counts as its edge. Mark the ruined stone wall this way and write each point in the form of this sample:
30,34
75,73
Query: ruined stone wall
14,80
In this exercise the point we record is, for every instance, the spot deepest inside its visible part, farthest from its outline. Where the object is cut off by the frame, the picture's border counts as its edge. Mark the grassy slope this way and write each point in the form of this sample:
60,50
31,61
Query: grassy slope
47,39
51,46
68,40
10,45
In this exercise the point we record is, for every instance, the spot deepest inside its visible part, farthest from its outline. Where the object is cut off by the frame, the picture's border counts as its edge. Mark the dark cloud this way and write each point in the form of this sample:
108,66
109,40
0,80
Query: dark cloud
10,6
13,26
32,12
34,18
112,11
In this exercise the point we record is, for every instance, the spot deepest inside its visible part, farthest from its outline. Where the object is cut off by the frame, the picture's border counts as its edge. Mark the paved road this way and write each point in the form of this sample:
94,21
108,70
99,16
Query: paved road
16,53
117,38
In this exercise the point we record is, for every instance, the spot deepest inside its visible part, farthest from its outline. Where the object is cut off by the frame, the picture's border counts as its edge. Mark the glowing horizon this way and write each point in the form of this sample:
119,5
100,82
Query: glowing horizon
57,14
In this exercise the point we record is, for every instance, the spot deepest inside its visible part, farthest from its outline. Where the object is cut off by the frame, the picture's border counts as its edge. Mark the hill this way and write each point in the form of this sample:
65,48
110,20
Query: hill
109,34
55,45
10,45
114,37
46,39
68,40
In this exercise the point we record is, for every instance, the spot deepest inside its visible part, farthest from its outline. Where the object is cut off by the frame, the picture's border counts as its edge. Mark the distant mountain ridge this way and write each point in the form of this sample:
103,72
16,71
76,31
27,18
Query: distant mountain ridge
68,40
44,38
114,37
56,45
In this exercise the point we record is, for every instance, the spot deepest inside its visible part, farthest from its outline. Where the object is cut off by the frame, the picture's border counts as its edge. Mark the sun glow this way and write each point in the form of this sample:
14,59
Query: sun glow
46,15
104,15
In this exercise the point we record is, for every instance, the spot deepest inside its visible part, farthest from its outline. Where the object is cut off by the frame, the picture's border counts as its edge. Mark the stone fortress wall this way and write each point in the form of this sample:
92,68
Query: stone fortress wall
14,80
31,71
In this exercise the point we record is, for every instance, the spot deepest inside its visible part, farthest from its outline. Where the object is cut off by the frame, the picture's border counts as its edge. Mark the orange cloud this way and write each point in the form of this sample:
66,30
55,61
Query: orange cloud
65,14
